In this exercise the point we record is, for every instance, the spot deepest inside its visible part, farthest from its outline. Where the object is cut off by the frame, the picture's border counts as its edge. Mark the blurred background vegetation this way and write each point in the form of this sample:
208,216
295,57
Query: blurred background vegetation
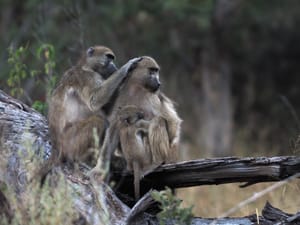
232,66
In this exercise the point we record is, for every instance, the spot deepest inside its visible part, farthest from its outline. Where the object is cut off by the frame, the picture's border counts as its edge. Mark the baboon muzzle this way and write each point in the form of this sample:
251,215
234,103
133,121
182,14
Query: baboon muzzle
109,70
153,84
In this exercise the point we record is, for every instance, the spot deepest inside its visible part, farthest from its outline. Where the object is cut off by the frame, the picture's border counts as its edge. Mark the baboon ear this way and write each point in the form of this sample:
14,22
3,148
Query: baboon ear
90,51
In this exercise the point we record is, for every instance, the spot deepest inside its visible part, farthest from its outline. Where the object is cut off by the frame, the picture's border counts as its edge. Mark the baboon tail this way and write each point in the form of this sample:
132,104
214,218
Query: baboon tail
136,174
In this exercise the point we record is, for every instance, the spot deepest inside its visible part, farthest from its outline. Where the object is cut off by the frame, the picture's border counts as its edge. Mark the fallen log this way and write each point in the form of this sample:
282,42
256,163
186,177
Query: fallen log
249,170
22,130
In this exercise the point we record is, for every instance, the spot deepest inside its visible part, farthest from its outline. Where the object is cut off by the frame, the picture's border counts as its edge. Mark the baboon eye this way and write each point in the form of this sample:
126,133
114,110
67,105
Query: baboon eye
110,56
153,70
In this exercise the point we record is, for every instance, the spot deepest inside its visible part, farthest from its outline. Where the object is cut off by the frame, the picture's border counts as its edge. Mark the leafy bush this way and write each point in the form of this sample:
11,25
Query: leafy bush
21,73
18,72
170,208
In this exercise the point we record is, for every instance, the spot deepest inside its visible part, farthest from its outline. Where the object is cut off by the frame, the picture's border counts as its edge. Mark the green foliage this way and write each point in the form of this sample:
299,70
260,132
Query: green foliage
39,106
43,74
171,210
47,52
18,71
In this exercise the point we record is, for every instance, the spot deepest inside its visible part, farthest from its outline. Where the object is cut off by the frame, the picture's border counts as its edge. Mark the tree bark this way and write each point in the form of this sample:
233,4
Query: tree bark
213,171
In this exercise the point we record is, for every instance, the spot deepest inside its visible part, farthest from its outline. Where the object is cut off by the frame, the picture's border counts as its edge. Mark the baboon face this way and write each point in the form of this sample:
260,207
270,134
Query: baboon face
147,74
130,115
100,59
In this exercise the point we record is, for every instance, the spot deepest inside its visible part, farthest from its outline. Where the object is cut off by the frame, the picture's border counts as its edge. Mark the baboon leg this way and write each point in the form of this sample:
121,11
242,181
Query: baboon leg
110,144
159,142
79,137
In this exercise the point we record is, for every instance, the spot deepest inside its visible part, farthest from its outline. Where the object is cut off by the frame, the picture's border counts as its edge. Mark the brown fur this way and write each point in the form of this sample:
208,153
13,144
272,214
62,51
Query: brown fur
142,91
76,105
134,142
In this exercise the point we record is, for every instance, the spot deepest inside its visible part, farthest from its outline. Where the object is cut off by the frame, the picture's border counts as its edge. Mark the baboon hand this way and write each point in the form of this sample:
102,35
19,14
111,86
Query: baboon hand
130,65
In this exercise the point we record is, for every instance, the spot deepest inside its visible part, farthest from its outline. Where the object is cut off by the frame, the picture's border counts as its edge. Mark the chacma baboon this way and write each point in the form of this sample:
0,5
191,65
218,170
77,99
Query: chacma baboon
134,142
76,105
142,89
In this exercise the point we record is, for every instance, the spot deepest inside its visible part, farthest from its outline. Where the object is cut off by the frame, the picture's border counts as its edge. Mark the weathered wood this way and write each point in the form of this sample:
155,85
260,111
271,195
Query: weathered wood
214,171
270,216
274,216
22,128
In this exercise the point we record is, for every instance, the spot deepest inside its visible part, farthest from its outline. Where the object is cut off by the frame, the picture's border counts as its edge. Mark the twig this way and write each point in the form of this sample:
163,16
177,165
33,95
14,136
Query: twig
258,195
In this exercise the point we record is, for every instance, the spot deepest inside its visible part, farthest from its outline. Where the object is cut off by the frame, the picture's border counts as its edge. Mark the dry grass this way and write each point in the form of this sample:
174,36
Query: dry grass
213,201
46,205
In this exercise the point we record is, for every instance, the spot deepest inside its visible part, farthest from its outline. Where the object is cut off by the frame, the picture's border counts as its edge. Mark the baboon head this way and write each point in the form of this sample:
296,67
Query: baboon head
130,114
100,59
146,74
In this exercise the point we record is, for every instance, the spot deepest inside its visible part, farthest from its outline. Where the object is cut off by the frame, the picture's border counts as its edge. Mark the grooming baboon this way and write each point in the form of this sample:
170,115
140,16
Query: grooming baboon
142,89
76,105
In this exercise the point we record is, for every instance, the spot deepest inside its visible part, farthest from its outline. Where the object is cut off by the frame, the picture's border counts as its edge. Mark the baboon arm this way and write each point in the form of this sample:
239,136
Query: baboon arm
101,95
172,119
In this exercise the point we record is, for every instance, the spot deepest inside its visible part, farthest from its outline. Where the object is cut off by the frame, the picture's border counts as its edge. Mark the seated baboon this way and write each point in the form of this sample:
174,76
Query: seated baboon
134,142
76,112
142,90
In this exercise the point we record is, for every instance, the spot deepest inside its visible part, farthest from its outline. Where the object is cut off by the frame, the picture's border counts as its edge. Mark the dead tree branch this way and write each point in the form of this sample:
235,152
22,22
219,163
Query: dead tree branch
214,171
